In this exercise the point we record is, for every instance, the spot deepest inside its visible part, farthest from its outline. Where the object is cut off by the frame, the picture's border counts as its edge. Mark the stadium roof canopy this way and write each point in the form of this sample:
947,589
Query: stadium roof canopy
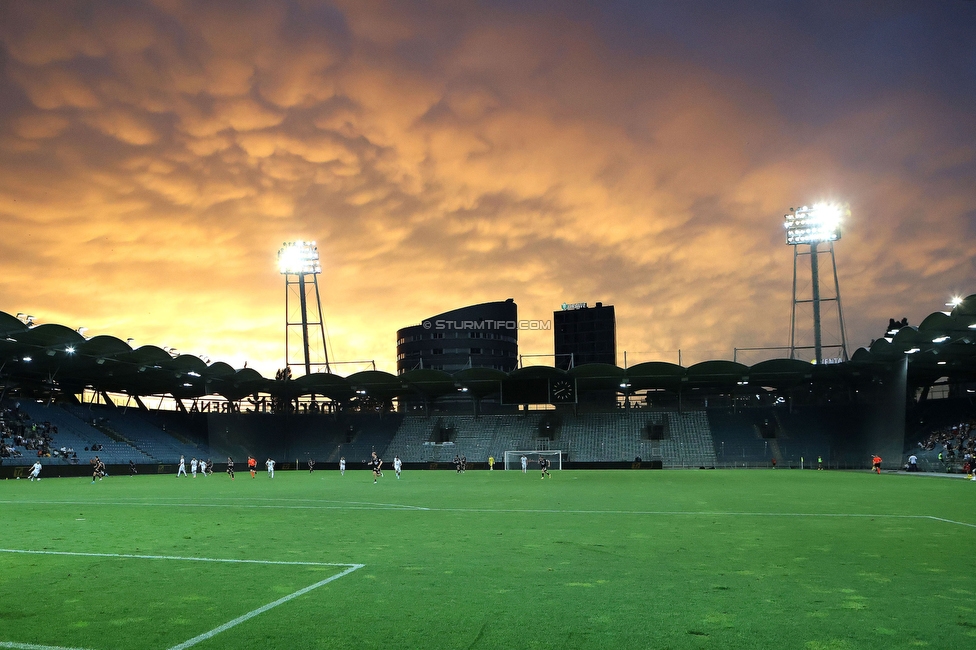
51,357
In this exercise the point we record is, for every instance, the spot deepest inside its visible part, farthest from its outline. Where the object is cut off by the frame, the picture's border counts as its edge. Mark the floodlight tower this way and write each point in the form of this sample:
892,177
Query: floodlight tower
296,260
813,226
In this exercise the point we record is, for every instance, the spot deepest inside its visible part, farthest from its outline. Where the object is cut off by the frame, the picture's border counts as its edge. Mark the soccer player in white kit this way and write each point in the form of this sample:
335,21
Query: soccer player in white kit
342,466
182,469
397,464
36,471
193,467
270,465
525,464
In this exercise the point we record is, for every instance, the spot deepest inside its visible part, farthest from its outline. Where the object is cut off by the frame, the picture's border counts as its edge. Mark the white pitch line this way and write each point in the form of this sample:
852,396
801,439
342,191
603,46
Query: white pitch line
530,511
174,557
951,521
334,501
142,504
217,630
408,508
260,610
31,646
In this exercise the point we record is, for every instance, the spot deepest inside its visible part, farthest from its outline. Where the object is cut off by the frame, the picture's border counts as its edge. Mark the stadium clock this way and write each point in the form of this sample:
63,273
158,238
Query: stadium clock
562,390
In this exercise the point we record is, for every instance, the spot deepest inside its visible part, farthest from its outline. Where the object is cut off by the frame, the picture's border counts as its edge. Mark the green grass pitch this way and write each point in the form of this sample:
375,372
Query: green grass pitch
586,559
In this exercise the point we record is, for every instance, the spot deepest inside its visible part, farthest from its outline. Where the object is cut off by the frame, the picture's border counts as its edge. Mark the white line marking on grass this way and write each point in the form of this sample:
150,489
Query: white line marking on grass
355,505
31,646
260,610
174,557
142,504
952,521
217,630
335,501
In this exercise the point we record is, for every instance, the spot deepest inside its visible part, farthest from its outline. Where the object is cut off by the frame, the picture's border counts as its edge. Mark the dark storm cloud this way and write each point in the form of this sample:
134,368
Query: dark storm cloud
154,155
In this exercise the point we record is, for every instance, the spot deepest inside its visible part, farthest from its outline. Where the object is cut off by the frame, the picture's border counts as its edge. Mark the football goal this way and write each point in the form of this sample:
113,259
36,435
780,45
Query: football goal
513,459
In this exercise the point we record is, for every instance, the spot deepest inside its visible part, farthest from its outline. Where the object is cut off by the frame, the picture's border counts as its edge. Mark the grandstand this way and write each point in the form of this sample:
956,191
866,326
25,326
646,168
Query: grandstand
81,435
616,436
717,437
129,426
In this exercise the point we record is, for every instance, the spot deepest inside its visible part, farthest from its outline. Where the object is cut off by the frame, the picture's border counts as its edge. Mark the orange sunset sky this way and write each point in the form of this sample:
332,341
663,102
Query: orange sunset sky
155,155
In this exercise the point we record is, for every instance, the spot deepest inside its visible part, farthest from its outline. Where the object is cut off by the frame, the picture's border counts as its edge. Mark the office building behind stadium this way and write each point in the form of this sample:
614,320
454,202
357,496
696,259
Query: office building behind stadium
583,334
477,336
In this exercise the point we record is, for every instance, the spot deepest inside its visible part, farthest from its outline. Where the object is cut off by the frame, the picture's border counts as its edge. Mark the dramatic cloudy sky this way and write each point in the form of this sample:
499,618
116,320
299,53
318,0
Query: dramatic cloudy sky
154,156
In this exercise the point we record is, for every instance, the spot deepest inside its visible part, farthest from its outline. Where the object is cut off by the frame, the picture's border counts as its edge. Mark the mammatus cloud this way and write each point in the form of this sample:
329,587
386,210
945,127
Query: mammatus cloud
153,157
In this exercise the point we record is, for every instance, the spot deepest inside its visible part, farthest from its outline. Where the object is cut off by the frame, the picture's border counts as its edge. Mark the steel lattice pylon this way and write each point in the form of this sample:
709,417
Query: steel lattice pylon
299,263
809,227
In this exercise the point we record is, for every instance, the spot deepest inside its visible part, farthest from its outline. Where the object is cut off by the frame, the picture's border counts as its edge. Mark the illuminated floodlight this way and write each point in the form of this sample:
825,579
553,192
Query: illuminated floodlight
815,224
812,226
27,359
299,258
69,350
941,339
955,302
913,350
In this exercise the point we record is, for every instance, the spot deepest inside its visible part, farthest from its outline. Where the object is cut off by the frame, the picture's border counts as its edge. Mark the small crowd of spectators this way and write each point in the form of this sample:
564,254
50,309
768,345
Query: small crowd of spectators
18,430
955,444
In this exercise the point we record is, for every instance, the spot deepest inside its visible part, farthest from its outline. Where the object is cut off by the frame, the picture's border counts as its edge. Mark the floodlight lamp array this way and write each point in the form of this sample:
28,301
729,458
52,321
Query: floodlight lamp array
299,258
814,224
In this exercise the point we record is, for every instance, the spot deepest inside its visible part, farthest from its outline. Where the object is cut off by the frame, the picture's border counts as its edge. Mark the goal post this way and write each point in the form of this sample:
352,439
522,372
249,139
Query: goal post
513,459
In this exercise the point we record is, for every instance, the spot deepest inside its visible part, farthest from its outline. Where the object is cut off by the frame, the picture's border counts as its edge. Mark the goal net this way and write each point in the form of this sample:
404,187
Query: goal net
513,459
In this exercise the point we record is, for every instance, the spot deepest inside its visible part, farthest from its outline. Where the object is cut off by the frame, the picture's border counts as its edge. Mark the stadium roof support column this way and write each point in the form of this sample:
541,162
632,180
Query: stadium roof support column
885,422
